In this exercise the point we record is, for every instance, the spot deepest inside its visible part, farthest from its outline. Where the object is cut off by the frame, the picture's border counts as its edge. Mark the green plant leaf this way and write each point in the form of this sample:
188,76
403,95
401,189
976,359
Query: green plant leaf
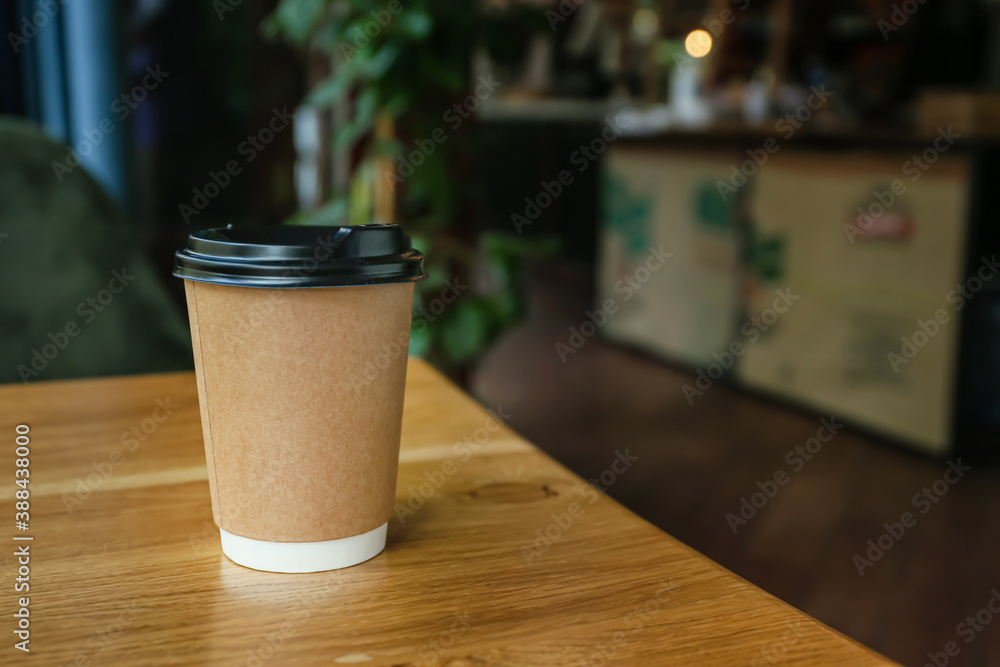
506,307
398,103
365,64
295,20
362,120
381,61
334,87
415,23
421,340
420,241
437,274
464,328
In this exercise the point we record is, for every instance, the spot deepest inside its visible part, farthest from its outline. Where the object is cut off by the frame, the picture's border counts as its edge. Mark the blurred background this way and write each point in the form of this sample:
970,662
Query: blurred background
751,242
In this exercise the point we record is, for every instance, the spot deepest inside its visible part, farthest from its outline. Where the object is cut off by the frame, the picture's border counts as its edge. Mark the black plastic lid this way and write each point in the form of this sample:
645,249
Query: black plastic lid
300,256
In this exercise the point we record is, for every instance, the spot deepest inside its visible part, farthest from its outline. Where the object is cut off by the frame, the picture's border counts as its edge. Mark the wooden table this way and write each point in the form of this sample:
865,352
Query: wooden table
507,558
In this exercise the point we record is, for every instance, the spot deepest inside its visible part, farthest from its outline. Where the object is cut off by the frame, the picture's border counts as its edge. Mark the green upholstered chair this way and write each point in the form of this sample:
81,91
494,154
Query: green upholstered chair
77,296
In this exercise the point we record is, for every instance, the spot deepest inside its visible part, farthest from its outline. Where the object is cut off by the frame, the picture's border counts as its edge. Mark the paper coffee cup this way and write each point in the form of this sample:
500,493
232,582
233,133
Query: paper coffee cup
300,339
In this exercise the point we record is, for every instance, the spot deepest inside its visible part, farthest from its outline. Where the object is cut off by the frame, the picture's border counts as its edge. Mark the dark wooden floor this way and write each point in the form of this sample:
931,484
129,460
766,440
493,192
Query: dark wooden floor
697,462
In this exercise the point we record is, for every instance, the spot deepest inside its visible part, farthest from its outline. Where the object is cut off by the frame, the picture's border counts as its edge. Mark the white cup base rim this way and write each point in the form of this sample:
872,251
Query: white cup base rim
296,557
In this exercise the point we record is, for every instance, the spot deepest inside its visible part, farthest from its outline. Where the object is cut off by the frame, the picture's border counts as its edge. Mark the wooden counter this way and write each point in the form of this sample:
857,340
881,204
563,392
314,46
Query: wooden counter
506,559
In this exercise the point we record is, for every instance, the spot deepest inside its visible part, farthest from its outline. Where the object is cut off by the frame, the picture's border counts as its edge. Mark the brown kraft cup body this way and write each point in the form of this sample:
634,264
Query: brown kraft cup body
301,426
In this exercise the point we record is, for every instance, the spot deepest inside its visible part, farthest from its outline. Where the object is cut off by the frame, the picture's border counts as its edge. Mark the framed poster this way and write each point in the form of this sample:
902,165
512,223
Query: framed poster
873,247
663,200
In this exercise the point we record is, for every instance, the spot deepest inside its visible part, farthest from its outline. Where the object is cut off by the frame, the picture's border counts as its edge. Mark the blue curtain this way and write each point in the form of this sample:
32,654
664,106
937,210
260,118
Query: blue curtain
63,69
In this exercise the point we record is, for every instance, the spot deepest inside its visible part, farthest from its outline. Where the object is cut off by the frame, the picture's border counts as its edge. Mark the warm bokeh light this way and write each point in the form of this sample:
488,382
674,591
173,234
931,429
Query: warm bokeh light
698,43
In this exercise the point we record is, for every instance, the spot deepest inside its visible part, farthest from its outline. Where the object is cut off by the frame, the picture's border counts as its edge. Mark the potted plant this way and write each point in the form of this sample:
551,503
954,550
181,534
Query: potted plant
402,67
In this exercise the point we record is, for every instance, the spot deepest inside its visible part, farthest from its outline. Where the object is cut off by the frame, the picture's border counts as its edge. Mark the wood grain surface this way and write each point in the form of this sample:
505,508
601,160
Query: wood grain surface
501,557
